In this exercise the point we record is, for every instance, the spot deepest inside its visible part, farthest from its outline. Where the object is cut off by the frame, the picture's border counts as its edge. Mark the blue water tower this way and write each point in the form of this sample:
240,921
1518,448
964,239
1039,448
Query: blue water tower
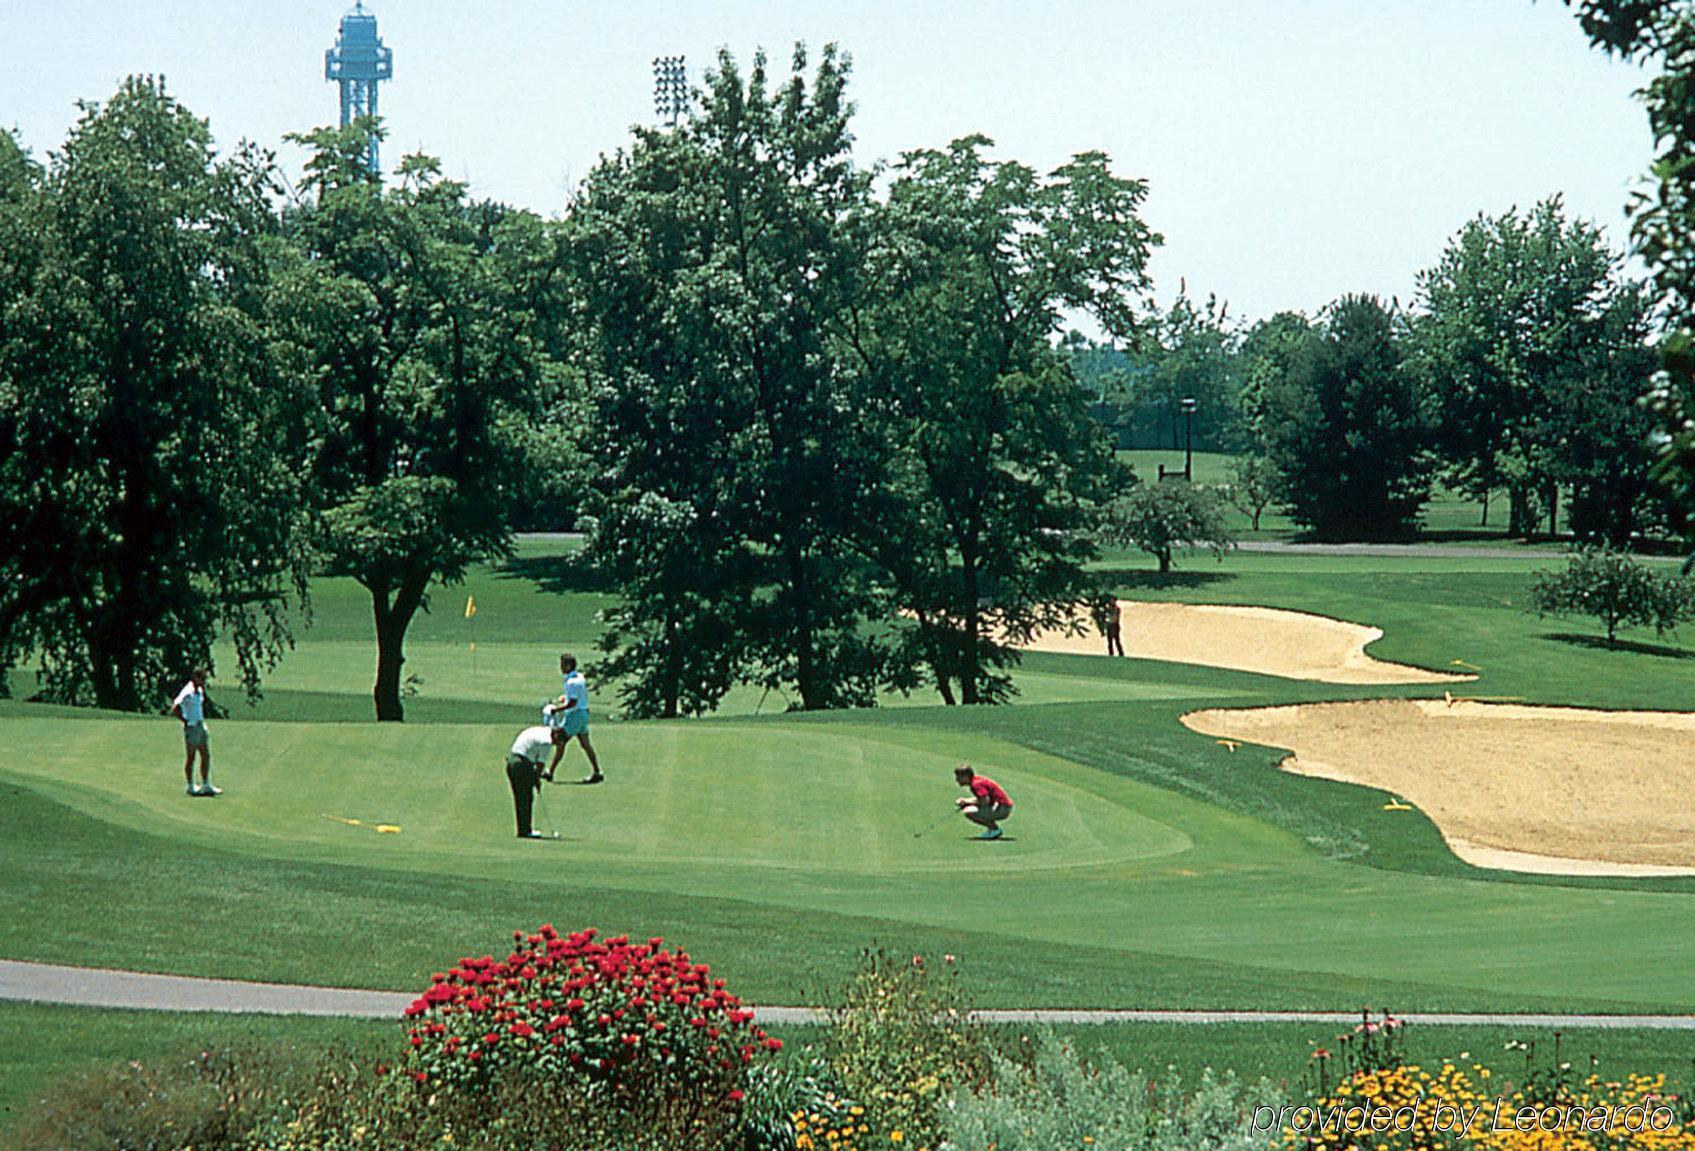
359,62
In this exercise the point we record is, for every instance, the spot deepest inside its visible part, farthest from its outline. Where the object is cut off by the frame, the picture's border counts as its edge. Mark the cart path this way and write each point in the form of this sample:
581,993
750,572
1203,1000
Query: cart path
101,987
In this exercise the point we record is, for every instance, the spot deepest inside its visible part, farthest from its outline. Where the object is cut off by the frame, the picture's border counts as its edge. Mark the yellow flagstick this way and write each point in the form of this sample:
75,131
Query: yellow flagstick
471,614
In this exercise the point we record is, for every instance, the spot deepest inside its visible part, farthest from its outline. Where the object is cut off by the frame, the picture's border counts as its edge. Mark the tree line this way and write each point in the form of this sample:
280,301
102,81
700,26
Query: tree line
815,425
1515,375
817,418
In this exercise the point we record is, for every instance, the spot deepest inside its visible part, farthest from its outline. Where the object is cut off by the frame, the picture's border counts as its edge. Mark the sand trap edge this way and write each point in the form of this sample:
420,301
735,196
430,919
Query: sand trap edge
1476,854
1355,666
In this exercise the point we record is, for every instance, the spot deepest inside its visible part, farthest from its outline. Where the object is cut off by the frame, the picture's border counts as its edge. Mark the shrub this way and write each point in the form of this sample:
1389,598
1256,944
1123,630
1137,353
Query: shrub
1252,487
1064,1100
901,1042
1167,517
630,1027
1615,589
210,1100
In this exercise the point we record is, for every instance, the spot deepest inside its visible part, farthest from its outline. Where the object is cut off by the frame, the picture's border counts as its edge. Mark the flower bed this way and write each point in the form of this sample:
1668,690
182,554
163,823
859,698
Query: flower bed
634,1019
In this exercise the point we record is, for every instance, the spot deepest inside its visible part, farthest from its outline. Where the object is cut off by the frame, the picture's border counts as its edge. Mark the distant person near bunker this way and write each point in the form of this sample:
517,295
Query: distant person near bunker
524,771
190,707
1112,624
570,714
988,804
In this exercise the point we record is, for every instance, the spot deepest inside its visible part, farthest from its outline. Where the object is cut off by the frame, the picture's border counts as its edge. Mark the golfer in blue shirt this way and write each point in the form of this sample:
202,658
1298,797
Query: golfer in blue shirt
571,713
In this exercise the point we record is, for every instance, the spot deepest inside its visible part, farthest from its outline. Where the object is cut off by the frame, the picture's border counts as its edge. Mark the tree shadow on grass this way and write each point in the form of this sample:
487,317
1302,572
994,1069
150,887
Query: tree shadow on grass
1599,643
1143,578
557,574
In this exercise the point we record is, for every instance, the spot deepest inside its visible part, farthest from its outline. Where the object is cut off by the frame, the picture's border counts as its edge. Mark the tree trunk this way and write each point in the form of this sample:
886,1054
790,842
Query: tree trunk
392,620
1483,522
671,689
391,658
969,671
1521,521
102,673
806,660
1164,555
1553,509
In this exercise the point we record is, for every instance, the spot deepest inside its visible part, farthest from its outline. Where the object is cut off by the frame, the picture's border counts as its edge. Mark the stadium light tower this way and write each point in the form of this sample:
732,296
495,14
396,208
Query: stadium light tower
670,89
359,62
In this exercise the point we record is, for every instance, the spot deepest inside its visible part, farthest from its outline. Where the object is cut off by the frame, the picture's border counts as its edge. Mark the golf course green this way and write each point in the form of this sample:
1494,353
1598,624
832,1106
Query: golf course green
1144,866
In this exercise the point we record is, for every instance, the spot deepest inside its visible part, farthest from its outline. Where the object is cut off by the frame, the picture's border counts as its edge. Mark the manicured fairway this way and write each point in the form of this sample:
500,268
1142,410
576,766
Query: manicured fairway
1145,866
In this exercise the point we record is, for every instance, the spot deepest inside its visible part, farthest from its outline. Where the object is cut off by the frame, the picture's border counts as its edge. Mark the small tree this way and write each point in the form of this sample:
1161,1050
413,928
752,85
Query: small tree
1615,589
1252,487
1162,518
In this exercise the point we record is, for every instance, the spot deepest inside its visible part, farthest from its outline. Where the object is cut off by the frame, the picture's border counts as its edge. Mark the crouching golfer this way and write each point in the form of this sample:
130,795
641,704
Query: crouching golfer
570,714
987,804
524,771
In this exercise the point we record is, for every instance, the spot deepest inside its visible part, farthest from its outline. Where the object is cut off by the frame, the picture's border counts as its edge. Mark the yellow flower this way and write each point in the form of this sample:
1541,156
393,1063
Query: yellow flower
897,1136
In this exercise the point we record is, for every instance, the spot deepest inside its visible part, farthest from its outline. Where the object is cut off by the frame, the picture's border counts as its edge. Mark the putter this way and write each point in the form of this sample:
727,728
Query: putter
932,827
541,804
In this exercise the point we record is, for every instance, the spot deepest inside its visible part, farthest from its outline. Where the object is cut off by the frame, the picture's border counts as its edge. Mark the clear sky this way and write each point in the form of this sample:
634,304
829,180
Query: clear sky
1296,149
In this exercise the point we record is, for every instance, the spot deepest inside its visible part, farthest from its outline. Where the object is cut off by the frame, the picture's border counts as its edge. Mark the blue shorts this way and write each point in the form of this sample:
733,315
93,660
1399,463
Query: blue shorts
194,735
576,722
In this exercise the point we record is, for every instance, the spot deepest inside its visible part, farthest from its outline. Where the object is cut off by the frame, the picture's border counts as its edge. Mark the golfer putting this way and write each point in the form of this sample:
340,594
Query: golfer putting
570,715
524,771
987,805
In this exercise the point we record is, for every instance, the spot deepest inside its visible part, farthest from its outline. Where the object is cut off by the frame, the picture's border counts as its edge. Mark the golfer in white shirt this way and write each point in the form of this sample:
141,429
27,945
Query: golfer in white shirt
190,707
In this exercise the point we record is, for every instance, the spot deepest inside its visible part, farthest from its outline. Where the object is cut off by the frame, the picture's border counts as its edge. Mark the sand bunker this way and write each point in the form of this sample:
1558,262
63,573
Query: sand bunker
1557,791
1291,644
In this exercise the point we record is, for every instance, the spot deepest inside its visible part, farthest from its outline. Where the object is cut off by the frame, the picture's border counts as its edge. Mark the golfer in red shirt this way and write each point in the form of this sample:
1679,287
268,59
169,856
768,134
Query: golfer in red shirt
987,804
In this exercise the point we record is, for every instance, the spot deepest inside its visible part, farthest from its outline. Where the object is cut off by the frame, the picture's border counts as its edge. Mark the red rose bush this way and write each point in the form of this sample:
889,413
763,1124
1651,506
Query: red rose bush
634,1020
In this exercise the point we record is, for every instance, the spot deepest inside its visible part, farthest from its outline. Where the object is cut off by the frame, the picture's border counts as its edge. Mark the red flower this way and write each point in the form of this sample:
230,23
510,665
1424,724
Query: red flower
736,1096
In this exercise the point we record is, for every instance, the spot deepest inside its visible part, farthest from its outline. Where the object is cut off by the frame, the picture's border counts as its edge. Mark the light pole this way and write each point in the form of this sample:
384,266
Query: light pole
670,89
1189,406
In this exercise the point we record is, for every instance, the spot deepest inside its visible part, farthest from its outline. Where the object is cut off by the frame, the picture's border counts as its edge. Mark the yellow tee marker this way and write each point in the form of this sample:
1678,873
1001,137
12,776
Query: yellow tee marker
1464,664
1397,805
1229,743
387,829
339,819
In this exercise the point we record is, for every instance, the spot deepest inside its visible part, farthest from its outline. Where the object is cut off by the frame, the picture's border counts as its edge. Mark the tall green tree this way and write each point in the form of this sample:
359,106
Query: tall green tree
1265,354
715,259
1663,226
1511,313
994,468
427,325
146,495
1600,428
1345,429
1191,354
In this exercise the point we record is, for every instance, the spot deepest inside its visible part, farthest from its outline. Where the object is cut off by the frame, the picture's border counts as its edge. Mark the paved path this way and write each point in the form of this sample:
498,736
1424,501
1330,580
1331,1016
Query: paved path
1404,551
97,987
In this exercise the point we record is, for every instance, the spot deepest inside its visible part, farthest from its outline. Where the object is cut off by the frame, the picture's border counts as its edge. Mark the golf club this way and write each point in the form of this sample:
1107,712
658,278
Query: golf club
932,827
541,804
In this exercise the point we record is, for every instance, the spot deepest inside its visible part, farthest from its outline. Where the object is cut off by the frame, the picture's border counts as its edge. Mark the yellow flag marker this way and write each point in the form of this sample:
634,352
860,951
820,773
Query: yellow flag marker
1464,664
379,828
1397,805
470,606
1230,743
